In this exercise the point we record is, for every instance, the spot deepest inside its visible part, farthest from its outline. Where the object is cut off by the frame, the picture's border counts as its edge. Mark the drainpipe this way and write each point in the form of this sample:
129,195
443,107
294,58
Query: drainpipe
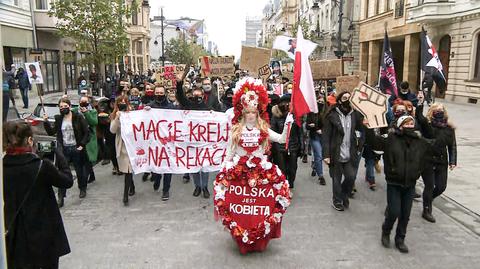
32,13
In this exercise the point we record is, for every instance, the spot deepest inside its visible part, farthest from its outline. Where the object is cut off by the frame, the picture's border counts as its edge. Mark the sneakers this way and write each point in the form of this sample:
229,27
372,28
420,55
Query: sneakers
400,245
91,179
338,206
206,194
385,240
186,179
314,173
83,194
105,162
427,215
346,203
156,185
322,181
372,186
197,191
145,177
165,196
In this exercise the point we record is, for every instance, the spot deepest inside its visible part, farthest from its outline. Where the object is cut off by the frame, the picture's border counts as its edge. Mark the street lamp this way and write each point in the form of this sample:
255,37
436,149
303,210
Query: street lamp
162,19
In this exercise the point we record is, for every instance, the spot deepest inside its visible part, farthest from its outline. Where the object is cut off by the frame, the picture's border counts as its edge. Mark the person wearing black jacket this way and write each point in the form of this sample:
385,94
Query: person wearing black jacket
342,142
404,158
314,126
73,135
196,102
443,154
286,159
36,236
160,101
23,85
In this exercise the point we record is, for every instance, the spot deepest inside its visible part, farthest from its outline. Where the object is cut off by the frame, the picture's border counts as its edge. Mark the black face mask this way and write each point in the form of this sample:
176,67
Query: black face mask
64,111
122,107
410,132
228,100
160,98
345,107
84,104
283,108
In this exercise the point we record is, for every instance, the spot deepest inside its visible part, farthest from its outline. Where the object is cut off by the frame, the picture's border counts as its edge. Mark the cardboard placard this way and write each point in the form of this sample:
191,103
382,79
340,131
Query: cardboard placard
253,59
264,72
362,75
372,104
168,75
347,83
326,69
221,66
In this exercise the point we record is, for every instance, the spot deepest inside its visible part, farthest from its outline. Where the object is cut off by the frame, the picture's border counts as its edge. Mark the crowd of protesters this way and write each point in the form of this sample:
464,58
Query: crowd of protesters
413,145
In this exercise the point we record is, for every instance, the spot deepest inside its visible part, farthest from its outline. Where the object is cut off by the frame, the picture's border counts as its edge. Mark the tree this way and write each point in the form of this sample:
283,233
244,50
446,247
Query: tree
179,51
98,27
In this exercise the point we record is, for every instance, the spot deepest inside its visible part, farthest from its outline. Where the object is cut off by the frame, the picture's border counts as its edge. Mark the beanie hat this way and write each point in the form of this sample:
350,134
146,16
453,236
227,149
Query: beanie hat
403,119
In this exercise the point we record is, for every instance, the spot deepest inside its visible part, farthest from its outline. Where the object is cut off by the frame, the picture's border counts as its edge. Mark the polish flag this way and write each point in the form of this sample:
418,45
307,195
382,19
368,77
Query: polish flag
303,95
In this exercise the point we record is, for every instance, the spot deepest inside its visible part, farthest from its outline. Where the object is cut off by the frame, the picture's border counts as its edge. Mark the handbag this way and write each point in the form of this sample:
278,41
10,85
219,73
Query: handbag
24,200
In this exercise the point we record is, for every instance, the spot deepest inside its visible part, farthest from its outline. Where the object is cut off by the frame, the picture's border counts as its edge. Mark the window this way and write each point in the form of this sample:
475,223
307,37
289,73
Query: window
70,68
476,75
377,6
134,17
139,47
399,8
41,4
388,4
367,7
50,65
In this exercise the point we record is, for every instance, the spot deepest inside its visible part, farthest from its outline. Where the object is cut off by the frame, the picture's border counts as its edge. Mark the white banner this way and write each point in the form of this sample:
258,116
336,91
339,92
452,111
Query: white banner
175,141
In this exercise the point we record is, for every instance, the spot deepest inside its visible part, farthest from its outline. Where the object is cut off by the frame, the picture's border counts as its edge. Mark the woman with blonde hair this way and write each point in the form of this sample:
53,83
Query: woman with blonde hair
442,154
122,105
247,160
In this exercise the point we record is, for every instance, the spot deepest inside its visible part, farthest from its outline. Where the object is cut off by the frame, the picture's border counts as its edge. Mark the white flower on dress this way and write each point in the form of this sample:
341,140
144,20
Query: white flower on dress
278,186
279,172
220,190
283,201
250,164
267,227
252,182
236,158
277,217
264,181
266,165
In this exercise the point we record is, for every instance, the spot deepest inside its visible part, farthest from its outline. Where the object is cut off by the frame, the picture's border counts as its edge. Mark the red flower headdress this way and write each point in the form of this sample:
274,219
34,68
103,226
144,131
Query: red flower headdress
250,93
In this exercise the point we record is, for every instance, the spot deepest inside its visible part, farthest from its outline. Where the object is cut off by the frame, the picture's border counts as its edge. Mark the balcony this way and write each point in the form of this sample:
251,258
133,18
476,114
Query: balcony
432,11
43,22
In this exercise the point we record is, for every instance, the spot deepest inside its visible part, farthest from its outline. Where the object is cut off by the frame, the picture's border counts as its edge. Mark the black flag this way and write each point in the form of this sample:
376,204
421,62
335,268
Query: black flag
431,62
388,77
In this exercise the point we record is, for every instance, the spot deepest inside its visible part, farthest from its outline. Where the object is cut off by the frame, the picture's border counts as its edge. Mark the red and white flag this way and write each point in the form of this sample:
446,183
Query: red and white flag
303,96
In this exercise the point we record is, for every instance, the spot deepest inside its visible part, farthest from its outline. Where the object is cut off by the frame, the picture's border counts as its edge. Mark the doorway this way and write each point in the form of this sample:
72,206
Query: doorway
444,55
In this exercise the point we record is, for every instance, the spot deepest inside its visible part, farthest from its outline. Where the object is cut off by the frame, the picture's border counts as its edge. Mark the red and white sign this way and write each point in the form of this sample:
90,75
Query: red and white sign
175,141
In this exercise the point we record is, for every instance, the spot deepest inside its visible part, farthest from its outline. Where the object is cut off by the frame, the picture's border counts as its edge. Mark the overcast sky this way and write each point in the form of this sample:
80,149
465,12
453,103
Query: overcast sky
224,19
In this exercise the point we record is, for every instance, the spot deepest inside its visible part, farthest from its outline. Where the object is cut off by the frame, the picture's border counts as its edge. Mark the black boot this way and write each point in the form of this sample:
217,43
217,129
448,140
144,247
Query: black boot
60,201
206,194
131,191
197,191
400,245
126,189
322,181
145,177
427,214
385,239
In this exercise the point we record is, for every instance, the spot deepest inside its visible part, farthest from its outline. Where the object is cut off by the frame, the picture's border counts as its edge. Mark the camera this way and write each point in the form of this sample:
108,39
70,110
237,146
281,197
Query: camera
46,146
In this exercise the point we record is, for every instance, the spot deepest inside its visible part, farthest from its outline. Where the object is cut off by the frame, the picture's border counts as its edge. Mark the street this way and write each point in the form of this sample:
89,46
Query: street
182,232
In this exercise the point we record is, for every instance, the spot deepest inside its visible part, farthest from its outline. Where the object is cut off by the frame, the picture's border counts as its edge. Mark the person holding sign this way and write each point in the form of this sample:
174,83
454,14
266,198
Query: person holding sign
251,194
122,106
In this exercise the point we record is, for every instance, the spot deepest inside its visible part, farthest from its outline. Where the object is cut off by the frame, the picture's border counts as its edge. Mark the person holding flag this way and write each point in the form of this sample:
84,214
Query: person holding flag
431,65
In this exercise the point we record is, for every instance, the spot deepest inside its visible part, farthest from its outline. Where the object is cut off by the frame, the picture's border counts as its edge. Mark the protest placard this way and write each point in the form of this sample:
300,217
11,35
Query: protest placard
264,72
362,75
221,66
34,73
346,83
326,69
372,104
168,75
175,141
253,59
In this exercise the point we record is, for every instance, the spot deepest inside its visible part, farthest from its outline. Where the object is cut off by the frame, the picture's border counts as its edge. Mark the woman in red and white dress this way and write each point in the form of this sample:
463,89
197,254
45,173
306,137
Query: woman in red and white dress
247,163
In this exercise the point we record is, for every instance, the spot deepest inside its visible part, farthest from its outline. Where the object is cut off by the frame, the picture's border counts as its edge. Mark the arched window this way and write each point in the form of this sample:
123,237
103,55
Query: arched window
476,73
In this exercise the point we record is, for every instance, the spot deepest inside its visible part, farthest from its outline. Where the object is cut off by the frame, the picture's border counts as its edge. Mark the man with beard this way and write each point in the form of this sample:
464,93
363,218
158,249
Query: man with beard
342,143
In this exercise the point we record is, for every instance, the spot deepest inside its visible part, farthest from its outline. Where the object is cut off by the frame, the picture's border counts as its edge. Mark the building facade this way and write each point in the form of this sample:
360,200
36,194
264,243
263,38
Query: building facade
60,59
16,32
454,28
252,28
279,18
376,16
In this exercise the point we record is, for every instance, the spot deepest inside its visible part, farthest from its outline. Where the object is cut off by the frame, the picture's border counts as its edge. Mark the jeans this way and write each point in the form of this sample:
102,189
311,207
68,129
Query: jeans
78,159
200,179
370,170
399,206
6,104
435,180
340,188
167,179
315,142
24,93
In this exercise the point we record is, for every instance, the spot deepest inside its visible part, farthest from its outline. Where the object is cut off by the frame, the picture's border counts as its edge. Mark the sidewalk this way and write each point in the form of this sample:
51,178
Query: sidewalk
33,99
